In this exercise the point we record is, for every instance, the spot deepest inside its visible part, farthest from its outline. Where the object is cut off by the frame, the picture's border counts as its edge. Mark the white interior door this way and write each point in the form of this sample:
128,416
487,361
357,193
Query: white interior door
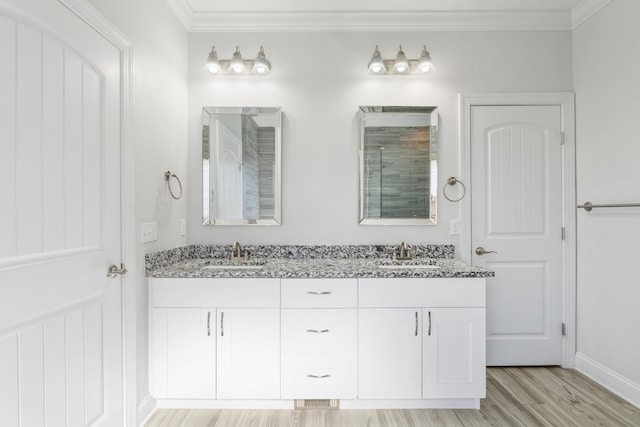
516,171
60,220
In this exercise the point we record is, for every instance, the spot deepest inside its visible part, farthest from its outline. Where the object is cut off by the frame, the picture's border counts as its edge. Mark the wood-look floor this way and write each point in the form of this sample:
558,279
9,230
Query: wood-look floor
536,396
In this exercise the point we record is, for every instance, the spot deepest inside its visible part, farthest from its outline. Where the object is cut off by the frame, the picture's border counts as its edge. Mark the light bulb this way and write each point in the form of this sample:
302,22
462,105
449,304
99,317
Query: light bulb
261,66
212,65
401,64
236,65
424,64
376,65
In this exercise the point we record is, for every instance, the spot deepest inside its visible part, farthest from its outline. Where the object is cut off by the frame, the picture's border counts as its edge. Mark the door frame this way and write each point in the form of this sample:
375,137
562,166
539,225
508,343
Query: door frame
566,102
92,17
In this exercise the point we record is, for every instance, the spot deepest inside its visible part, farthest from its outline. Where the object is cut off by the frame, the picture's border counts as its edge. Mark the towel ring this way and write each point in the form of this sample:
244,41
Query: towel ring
453,181
168,175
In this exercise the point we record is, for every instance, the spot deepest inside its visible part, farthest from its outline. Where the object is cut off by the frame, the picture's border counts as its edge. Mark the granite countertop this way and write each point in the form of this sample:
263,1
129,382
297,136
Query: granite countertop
318,268
193,262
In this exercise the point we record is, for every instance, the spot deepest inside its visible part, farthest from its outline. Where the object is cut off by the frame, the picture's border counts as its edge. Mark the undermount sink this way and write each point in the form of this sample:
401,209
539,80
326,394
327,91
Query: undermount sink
409,266
232,267
225,264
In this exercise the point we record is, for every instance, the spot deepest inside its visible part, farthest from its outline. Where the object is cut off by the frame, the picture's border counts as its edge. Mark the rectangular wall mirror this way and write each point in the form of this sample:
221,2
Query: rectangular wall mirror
241,155
398,165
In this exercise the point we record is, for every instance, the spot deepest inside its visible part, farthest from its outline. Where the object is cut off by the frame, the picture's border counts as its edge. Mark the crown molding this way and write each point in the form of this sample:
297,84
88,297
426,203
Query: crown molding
378,21
182,11
585,10
550,20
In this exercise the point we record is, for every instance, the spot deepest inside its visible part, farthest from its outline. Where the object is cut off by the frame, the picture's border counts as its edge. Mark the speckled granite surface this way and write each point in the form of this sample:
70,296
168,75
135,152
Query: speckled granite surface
297,261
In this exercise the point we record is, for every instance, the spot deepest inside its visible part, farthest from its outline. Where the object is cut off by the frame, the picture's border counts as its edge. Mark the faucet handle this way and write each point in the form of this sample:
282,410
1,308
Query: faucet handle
403,253
237,253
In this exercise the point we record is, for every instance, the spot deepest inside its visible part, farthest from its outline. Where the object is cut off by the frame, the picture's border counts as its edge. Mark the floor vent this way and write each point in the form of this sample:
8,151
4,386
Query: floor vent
317,404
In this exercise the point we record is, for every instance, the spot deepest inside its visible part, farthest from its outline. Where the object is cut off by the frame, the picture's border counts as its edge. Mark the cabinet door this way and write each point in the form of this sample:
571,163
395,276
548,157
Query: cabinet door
248,353
390,353
454,353
183,350
319,353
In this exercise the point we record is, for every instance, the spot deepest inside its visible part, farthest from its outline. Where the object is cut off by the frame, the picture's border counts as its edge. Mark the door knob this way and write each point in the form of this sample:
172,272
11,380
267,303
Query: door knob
482,251
114,271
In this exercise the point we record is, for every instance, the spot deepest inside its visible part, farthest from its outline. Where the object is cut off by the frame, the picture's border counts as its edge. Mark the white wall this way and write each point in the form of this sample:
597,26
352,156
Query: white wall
320,101
159,129
606,64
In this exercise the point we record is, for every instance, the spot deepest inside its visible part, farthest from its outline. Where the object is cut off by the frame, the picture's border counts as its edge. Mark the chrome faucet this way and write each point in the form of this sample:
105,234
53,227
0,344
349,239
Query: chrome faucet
403,253
237,254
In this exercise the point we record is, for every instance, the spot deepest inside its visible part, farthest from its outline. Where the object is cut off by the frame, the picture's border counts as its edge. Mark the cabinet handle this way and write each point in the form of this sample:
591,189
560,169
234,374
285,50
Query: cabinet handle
316,331
416,324
318,376
318,293
222,323
208,323
429,331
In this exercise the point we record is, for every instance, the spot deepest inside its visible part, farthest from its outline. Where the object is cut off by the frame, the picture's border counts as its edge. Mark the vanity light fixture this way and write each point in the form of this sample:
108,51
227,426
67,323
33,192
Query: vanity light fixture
236,65
400,65
261,66
376,65
213,63
424,63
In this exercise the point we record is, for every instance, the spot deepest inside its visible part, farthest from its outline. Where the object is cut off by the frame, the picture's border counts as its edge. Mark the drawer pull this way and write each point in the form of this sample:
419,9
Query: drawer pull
429,333
208,323
222,323
318,376
416,334
316,331
318,293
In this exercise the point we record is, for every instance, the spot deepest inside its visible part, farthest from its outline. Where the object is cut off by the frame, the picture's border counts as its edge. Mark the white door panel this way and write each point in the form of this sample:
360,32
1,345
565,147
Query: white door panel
60,316
517,215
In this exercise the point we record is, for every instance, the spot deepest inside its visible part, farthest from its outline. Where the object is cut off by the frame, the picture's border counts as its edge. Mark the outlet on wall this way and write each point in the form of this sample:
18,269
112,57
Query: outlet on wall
148,232
454,227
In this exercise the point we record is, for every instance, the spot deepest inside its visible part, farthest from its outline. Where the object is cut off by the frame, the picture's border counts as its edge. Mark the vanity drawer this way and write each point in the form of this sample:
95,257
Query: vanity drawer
319,293
192,292
422,292
319,353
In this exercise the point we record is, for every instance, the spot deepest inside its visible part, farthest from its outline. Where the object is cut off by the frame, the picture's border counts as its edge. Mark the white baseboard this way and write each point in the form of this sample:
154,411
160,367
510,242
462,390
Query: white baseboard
344,404
609,379
146,408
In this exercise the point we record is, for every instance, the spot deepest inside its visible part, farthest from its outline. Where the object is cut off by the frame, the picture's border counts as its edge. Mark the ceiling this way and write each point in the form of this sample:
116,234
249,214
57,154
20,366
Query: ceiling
382,15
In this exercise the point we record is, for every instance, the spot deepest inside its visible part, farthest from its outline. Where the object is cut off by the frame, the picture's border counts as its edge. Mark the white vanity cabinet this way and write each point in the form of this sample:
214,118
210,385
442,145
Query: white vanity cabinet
453,352
248,353
319,338
422,338
390,353
203,327
367,342
183,348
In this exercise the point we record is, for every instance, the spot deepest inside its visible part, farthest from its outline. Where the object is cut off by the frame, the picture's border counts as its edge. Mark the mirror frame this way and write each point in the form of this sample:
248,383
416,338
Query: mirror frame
207,113
409,111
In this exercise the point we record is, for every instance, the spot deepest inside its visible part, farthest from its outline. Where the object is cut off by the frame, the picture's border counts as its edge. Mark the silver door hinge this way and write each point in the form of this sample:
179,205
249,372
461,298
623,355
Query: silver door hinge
564,329
561,138
563,233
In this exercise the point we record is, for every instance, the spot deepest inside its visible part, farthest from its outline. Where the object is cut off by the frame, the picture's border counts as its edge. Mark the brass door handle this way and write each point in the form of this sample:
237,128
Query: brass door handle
482,251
